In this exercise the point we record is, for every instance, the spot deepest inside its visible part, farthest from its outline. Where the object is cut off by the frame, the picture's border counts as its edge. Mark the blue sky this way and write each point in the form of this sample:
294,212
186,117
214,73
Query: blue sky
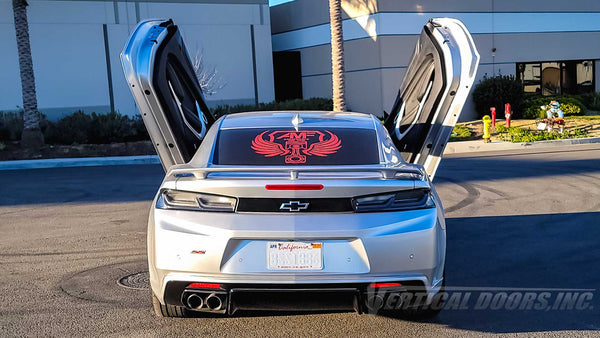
277,2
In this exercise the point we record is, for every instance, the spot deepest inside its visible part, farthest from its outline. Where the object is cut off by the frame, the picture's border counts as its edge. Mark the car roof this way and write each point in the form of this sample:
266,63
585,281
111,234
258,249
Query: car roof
283,119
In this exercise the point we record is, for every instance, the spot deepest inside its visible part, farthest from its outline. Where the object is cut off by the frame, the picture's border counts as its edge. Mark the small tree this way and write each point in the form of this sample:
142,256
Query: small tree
209,79
495,92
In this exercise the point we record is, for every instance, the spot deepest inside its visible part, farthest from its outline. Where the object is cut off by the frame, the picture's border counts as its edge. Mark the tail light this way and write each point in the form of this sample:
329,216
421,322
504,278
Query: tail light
186,200
396,201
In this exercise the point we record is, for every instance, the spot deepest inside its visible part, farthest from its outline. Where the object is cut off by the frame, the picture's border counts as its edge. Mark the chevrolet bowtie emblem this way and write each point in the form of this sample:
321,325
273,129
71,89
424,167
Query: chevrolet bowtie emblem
293,206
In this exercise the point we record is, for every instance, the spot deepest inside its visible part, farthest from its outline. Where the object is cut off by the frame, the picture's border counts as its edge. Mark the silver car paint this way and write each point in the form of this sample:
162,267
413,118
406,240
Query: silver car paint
358,247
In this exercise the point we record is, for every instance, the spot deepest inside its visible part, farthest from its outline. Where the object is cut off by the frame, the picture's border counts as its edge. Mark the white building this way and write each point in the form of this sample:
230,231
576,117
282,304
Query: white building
552,45
75,47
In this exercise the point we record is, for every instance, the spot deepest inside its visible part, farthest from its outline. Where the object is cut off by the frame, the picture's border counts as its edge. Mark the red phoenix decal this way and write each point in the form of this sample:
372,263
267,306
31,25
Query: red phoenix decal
295,144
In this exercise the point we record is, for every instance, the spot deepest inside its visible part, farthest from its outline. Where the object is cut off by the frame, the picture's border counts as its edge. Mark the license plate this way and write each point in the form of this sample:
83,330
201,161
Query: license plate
294,256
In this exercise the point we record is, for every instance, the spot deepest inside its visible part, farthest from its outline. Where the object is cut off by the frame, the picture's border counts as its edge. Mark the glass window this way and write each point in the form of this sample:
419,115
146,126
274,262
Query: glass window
530,75
550,78
585,77
561,77
280,147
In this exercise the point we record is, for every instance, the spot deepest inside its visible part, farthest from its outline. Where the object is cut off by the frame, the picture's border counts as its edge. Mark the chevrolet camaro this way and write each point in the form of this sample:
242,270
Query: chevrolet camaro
297,210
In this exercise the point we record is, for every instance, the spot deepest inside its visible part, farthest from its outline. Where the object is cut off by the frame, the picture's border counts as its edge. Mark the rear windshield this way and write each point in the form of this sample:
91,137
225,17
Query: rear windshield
315,146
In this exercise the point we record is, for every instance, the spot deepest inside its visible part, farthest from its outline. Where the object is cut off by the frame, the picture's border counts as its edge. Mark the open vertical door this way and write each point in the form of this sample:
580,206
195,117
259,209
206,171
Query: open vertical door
433,92
163,82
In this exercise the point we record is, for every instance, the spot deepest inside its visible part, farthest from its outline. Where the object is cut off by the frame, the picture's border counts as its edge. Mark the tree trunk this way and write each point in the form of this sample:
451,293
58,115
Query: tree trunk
32,136
337,55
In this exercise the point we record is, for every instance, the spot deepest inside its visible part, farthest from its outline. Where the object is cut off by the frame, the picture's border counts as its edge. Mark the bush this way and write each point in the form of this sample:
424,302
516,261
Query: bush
70,129
297,104
517,135
460,132
109,128
11,126
591,100
81,128
140,133
495,92
500,128
570,105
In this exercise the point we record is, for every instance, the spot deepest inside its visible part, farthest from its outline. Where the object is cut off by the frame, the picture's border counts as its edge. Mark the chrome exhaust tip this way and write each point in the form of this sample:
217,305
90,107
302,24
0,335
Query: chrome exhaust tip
213,302
375,302
194,301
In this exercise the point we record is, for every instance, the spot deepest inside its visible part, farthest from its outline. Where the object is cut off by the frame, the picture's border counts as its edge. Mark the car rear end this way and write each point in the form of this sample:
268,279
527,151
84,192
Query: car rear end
240,227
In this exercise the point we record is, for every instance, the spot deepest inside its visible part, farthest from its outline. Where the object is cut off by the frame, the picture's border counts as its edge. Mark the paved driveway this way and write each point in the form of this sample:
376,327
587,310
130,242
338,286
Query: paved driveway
516,221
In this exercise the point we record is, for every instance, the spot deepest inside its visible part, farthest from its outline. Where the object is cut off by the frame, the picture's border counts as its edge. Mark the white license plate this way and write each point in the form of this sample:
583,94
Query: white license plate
294,256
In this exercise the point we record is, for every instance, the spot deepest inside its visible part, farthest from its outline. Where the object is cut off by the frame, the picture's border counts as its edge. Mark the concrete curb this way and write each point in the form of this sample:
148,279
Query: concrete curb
78,162
478,146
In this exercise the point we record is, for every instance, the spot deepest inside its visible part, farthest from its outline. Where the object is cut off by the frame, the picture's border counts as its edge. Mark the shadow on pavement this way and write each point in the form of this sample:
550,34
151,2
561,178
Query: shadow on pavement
550,251
120,183
465,169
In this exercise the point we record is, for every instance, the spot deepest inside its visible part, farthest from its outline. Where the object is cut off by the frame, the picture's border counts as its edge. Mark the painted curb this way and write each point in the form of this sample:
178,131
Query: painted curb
78,162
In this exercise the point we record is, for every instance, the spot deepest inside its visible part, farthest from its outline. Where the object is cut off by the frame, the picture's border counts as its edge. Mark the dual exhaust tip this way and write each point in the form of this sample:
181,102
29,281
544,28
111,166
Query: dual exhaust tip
197,301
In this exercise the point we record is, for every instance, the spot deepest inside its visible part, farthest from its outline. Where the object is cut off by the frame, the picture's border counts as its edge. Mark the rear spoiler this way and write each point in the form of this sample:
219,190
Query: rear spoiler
317,172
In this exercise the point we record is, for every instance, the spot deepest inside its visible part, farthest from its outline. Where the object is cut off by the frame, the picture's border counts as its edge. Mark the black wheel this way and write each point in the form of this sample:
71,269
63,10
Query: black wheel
169,310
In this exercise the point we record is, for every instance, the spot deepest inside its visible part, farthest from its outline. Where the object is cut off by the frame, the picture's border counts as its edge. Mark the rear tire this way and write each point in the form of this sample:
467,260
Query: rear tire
169,310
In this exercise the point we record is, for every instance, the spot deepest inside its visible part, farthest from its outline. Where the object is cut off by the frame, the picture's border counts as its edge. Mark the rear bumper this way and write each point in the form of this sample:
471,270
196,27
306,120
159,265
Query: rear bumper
358,297
230,249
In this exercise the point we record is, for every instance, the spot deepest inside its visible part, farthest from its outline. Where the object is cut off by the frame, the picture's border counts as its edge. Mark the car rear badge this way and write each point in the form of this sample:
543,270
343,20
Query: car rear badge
294,206
296,145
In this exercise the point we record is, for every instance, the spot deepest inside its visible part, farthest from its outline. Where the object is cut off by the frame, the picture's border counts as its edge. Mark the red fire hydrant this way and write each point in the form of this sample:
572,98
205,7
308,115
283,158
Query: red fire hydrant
507,114
493,111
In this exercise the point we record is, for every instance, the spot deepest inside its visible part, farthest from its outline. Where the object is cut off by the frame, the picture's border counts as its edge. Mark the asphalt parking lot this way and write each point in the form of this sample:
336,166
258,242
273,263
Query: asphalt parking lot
528,221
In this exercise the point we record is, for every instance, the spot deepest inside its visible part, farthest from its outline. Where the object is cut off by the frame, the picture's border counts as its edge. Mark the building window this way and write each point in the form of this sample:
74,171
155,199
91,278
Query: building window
557,77
287,74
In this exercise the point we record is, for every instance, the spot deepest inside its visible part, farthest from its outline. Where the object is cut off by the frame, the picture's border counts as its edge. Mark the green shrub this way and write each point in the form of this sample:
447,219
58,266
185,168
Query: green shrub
81,128
460,132
70,129
11,126
495,92
108,128
591,100
500,128
517,135
4,133
139,131
570,105
297,104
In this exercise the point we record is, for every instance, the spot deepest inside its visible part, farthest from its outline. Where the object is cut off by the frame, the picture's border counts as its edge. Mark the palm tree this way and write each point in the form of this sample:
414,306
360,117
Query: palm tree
32,136
337,55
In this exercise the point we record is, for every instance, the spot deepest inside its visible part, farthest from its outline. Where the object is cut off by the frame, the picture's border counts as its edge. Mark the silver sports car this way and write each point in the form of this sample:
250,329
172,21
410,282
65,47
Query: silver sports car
297,210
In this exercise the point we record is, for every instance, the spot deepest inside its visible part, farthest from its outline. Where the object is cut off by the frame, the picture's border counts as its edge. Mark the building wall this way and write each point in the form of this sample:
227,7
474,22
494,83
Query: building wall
70,59
380,36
